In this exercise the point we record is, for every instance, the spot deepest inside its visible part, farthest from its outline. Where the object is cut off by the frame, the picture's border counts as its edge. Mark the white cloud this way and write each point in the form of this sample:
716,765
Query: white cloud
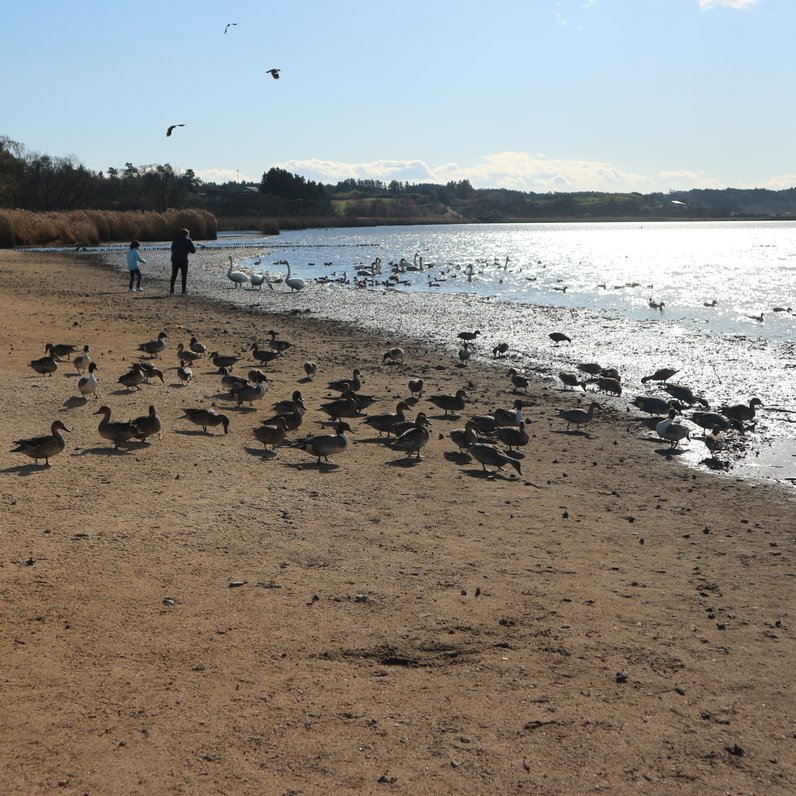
224,175
726,3
683,180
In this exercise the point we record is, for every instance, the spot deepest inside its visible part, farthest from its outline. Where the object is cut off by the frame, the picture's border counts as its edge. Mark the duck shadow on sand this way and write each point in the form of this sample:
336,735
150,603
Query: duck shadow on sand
196,432
458,457
668,452
110,451
490,475
26,469
573,432
260,453
74,402
321,467
405,461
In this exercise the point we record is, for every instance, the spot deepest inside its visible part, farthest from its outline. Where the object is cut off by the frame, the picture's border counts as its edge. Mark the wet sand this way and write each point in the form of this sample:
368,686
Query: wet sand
607,621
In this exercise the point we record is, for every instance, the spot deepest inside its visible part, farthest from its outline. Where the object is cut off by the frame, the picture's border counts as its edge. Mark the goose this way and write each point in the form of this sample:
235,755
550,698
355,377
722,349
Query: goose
661,374
197,347
670,431
236,277
420,420
132,378
500,350
416,387
513,437
81,361
310,368
652,405
681,393
150,371
559,337
117,432
450,403
578,417
469,336
519,381
742,412
280,346
223,361
341,407
592,368
491,455
148,425
325,445
43,447
571,380
250,393
263,355
184,374
154,347
205,418
463,438
385,422
87,385
293,419
607,385
257,281
293,282
60,350
393,355
186,354
353,384
411,441
44,365
508,417
272,434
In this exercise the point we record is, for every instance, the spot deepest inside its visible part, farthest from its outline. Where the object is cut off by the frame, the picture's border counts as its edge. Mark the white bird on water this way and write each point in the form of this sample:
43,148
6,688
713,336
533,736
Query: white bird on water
236,277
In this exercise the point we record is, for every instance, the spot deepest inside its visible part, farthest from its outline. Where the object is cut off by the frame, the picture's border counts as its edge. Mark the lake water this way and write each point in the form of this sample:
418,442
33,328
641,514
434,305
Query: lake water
726,290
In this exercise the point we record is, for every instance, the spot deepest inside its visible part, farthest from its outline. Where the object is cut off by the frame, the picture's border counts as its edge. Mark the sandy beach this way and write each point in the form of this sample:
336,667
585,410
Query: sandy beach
607,621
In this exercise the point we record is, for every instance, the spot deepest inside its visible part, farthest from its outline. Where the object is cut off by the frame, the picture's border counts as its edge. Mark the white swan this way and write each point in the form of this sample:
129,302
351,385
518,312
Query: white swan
257,280
237,277
293,282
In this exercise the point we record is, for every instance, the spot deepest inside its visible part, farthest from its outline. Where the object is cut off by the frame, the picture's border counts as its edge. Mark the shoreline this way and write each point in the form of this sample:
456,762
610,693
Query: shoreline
412,626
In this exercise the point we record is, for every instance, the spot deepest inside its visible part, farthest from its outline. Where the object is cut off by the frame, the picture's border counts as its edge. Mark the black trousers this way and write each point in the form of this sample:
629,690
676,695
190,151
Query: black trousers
135,275
182,269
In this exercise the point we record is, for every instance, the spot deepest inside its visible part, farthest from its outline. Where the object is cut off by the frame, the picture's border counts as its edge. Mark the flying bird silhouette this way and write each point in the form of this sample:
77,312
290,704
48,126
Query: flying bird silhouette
171,128
274,73
229,25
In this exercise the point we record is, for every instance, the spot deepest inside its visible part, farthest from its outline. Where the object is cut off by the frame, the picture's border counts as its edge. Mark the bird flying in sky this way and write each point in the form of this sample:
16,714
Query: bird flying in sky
171,128
274,73
229,25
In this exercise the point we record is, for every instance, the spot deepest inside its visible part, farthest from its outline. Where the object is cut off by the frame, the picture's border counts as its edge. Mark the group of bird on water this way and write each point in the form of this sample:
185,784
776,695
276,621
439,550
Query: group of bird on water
480,438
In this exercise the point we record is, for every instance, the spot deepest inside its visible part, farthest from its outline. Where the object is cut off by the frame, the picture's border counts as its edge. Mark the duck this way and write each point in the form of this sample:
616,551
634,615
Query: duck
464,354
420,420
263,355
742,412
116,432
611,373
353,384
500,350
186,355
280,346
341,407
652,405
513,437
132,378
491,455
250,393
759,318
293,282
384,423
508,417
607,385
148,425
714,440
184,374
670,431
289,404
469,336
310,368
413,440
236,277
519,381
44,365
293,419
592,368
463,438
393,356
416,388
661,374
655,305
272,434
87,385
60,350
81,361
223,361
450,403
325,445
578,417
571,380
205,418
230,382
681,393
559,337
45,446
150,371
197,347
485,424
154,347
710,420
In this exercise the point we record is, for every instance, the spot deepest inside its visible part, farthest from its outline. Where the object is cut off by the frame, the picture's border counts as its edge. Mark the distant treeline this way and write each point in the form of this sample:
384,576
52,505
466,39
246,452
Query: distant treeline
93,227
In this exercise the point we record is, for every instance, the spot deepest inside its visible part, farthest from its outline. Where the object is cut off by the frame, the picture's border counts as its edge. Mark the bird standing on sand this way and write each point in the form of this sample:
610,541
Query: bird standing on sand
171,127
44,447
501,349
87,385
310,368
491,455
81,361
154,347
412,440
670,431
116,432
148,425
661,374
206,417
468,337
274,73
559,337
578,417
324,445
45,365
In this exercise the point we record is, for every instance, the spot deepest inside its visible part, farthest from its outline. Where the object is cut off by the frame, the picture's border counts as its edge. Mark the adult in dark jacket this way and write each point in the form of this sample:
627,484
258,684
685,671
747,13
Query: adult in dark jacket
181,247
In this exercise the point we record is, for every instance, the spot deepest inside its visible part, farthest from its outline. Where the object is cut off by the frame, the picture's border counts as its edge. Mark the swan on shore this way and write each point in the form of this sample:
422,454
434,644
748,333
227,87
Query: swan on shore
293,282
236,277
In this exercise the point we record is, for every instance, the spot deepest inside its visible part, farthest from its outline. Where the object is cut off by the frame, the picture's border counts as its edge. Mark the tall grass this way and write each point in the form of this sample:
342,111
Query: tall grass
93,227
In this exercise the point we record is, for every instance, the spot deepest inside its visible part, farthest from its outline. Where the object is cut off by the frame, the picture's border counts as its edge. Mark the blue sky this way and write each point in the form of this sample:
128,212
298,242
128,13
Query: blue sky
538,95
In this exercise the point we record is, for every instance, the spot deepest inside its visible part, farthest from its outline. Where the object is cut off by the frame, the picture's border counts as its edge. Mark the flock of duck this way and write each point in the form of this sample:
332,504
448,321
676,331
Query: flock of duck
493,439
